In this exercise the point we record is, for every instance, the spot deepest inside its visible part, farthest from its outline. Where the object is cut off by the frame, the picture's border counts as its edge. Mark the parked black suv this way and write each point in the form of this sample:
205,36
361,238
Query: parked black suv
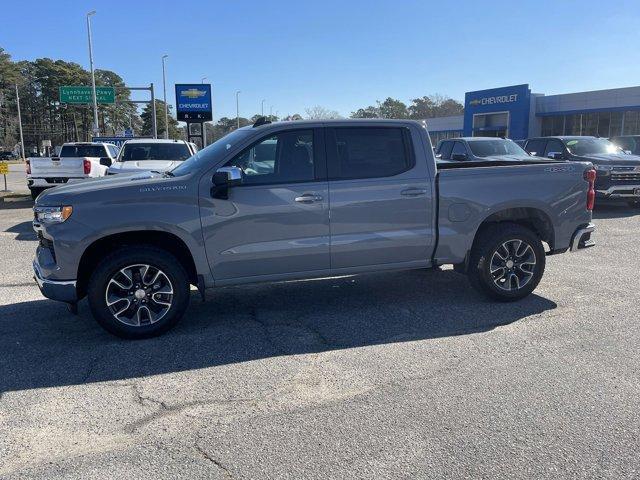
618,173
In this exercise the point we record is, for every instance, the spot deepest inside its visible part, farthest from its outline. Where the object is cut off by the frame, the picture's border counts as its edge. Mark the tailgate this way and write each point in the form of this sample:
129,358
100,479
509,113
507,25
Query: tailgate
57,167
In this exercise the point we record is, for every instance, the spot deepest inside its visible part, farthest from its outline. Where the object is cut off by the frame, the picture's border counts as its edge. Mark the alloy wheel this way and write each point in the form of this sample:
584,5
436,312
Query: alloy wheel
139,294
513,265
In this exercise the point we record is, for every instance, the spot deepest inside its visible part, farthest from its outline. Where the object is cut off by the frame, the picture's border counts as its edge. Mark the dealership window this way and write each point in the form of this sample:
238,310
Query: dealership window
632,123
590,124
553,125
573,124
615,127
603,124
604,120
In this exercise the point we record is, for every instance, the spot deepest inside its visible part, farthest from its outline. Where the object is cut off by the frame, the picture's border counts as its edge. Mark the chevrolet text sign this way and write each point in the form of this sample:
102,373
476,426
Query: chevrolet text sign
493,100
193,102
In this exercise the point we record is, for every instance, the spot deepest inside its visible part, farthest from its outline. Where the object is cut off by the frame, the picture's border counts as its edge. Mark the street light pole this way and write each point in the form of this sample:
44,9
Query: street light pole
96,129
262,107
166,107
238,108
20,123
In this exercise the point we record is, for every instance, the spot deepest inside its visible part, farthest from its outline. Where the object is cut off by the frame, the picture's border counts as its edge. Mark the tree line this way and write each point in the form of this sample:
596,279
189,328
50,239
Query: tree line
45,118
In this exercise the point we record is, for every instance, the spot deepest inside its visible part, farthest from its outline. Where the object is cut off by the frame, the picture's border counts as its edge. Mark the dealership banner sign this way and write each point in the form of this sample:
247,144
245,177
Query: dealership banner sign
193,102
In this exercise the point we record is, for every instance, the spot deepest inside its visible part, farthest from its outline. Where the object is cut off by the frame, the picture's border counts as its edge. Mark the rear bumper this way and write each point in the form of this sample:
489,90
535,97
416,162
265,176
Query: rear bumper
52,182
61,290
582,238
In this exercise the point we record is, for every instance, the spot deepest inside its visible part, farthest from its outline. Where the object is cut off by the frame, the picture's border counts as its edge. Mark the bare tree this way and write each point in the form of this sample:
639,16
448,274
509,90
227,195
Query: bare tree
321,113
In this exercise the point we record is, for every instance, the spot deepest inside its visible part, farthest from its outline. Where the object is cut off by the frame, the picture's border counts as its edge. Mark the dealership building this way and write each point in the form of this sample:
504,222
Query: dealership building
515,112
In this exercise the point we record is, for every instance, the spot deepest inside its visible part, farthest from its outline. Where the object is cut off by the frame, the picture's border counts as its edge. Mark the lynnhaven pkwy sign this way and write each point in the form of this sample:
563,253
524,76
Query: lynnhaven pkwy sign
82,94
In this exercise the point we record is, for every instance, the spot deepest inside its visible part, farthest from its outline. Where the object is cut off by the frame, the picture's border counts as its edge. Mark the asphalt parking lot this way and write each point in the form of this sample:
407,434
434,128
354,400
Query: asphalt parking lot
400,375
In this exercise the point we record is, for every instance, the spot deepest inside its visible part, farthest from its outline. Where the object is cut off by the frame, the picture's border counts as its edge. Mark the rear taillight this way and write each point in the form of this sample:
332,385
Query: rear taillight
27,166
87,166
590,176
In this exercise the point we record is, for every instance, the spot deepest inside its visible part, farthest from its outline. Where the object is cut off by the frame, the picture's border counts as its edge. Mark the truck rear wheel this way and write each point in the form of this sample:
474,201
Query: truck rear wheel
138,292
507,262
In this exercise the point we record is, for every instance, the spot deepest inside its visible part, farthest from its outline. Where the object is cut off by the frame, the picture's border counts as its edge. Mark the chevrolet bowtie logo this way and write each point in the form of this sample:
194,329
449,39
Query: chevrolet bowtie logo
475,102
193,93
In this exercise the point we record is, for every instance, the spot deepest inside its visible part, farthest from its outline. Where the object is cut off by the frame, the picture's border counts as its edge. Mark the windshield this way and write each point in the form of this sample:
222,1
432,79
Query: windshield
96,151
591,146
490,148
212,153
154,151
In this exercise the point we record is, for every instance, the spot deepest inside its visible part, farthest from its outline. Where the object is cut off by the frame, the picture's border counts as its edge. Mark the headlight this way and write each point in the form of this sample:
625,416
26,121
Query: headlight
603,169
53,214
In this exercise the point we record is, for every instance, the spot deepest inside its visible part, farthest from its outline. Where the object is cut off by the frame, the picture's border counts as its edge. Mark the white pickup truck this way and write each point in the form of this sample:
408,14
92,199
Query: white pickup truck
77,161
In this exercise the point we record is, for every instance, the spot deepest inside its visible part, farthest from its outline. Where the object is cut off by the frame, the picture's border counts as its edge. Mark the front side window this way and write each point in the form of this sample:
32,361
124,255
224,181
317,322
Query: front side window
536,146
445,150
498,147
369,153
282,158
458,149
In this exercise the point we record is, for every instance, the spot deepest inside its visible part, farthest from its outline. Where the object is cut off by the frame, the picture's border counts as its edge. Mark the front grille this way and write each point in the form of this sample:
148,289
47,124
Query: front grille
625,177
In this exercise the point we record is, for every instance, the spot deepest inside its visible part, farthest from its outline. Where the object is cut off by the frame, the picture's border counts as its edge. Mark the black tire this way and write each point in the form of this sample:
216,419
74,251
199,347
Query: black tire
488,247
35,192
158,259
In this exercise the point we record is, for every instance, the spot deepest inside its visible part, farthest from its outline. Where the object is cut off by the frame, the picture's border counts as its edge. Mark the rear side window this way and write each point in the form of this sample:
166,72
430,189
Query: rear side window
445,150
286,157
536,146
369,152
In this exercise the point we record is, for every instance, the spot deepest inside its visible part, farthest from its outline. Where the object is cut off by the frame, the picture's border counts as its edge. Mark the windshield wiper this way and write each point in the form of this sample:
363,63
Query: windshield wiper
168,173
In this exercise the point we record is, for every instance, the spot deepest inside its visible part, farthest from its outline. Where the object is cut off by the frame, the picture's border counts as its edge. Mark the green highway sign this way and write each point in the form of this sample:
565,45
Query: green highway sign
81,94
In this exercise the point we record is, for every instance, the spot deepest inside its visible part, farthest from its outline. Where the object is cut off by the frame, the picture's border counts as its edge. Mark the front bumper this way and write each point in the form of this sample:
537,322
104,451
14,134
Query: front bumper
582,238
620,191
61,290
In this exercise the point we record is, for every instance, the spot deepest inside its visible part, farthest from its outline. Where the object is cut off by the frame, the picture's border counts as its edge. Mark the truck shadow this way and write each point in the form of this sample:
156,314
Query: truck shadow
614,210
44,346
24,231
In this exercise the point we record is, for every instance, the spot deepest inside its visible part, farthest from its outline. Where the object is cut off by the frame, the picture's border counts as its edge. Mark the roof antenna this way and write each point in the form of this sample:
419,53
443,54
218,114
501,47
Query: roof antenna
261,121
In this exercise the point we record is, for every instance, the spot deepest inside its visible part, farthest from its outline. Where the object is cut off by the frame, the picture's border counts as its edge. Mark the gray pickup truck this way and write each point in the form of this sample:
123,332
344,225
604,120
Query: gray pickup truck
301,200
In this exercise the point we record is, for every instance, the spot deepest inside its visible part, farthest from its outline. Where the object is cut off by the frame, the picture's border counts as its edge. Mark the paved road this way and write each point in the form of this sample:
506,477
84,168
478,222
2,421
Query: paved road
403,375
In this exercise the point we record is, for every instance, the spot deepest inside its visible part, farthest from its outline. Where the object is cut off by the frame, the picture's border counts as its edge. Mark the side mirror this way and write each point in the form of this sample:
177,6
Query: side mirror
224,178
555,155
459,157
106,161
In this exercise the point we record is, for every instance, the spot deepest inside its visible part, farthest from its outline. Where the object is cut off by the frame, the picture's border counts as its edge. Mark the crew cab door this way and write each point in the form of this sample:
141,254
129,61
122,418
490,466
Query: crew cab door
381,198
276,223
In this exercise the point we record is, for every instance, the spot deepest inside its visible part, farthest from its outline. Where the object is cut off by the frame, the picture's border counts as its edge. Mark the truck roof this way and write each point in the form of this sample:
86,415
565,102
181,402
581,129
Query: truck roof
340,121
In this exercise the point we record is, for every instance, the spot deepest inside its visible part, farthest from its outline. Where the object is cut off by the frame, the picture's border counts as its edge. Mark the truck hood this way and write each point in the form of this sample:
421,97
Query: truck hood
71,192
143,165
611,159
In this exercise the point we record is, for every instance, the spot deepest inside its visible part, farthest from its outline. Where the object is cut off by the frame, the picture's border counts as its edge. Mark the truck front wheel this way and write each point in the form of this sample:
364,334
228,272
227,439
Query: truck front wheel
507,262
138,292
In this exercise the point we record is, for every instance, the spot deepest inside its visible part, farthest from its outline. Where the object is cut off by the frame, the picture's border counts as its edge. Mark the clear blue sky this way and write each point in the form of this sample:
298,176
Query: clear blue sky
341,54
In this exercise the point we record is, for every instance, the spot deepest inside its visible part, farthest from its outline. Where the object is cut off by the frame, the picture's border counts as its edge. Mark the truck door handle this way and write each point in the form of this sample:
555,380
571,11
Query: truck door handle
308,198
413,192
